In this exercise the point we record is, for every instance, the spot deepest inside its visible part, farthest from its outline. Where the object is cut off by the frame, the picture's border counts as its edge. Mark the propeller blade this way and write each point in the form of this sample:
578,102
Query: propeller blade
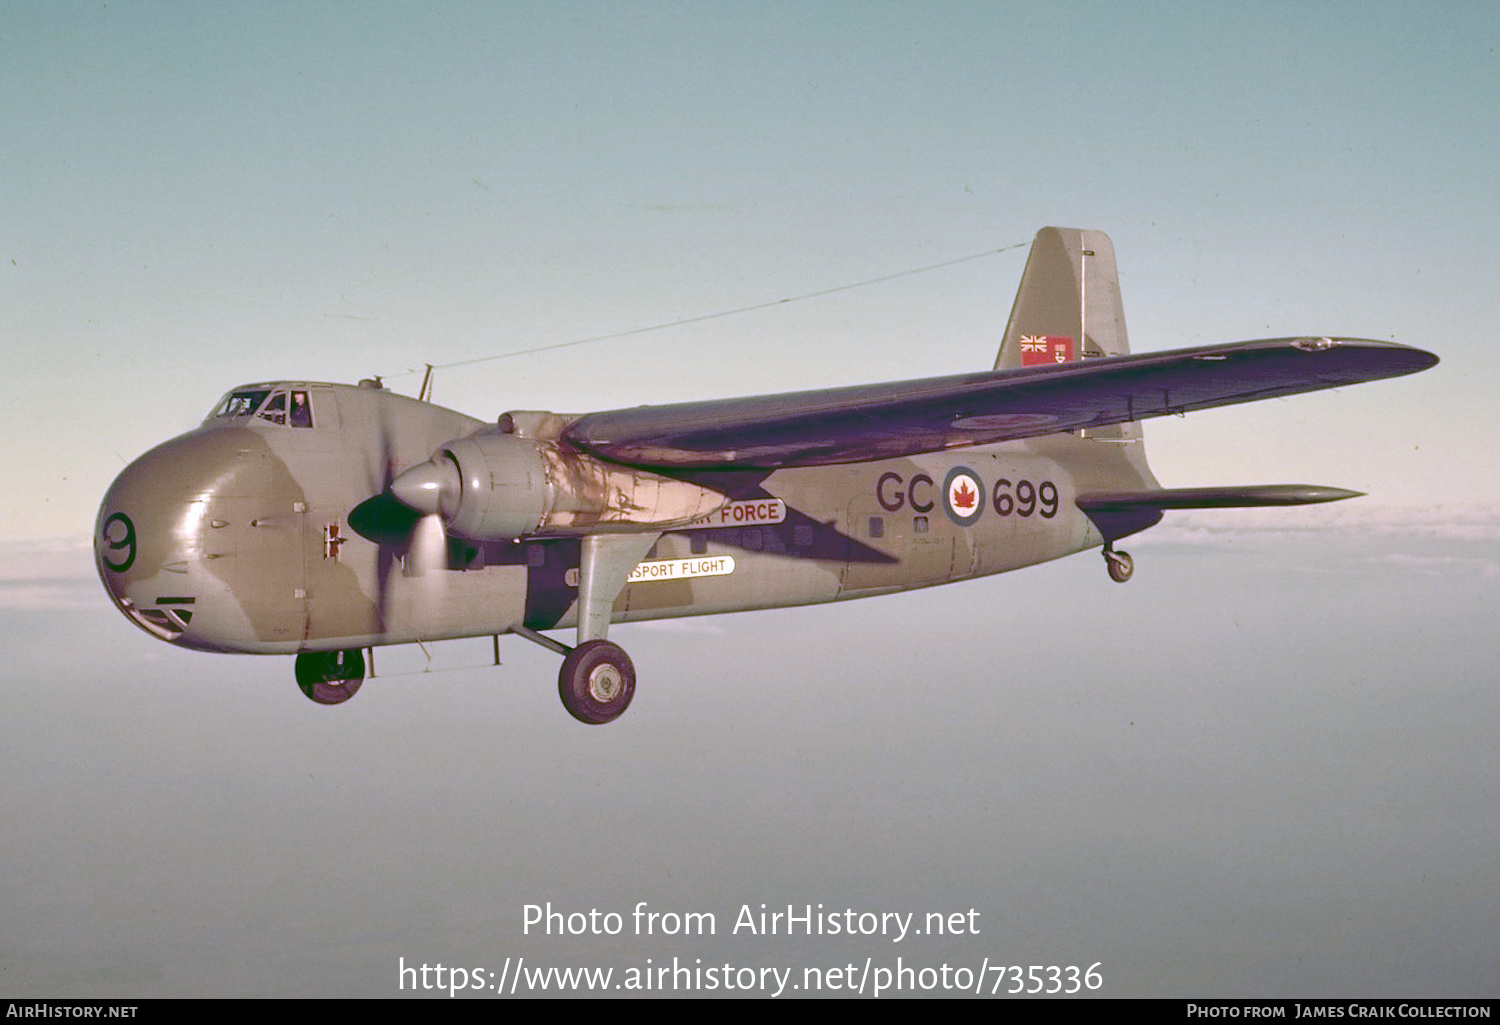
385,521
429,547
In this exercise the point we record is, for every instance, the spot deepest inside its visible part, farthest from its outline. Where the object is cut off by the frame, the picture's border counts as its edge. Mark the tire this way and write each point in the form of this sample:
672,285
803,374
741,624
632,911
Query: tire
1121,566
596,682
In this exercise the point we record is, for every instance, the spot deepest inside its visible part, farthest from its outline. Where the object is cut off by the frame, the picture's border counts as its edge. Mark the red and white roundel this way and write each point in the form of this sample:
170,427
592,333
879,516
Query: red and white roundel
963,495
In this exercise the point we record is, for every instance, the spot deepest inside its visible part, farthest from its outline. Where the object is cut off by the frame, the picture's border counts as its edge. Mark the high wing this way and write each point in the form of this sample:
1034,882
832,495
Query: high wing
880,421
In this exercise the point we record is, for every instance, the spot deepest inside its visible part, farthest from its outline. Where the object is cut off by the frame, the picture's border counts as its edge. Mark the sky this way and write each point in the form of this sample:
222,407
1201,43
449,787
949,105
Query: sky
1265,766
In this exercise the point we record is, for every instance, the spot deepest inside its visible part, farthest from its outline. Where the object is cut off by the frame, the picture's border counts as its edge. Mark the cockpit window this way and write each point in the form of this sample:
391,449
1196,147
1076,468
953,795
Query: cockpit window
275,409
241,403
279,406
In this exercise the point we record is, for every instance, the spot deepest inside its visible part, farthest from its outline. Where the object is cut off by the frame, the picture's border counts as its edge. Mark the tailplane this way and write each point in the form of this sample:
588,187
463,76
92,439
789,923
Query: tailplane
1120,513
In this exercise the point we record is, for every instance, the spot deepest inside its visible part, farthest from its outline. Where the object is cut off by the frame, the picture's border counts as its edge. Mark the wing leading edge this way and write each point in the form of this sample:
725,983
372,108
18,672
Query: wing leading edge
881,421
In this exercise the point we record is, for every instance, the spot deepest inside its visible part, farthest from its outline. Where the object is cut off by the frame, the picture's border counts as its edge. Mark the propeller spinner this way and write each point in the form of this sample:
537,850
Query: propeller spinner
432,488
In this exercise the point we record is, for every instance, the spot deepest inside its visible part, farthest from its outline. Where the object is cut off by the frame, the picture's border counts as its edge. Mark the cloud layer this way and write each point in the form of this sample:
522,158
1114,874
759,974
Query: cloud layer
53,573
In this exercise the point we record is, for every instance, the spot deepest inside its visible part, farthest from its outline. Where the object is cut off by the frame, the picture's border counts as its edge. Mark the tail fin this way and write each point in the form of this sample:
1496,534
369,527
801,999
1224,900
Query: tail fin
1068,307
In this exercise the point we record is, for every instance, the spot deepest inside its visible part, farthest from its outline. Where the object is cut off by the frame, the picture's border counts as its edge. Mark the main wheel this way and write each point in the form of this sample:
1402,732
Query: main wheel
330,677
1120,564
596,682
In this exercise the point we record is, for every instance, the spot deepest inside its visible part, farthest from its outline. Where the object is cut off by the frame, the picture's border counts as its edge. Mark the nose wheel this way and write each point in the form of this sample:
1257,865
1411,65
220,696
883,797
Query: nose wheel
1119,564
330,677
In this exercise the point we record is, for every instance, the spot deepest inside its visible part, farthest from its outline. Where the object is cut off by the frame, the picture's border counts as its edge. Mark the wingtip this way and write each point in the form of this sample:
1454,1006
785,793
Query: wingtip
1408,357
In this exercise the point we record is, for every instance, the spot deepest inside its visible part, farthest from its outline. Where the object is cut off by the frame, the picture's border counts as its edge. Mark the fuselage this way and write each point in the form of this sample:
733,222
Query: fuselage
269,530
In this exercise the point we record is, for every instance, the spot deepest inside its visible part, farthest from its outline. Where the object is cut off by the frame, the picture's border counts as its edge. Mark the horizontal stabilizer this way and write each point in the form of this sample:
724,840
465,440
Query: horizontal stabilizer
1213,498
1118,514
883,421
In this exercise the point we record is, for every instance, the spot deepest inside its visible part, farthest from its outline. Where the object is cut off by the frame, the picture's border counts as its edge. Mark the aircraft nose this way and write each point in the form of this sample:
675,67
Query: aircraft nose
203,541
149,532
141,550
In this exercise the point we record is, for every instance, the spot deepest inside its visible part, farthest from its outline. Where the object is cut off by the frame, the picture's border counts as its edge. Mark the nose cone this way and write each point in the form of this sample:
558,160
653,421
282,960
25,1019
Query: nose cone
202,541
150,531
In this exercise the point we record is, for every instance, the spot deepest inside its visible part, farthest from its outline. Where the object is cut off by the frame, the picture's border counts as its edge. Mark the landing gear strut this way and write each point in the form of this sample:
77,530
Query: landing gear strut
330,677
1120,564
597,679
596,682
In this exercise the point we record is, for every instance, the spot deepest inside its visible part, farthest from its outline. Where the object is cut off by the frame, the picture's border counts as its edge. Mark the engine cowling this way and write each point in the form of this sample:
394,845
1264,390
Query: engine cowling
485,487
497,485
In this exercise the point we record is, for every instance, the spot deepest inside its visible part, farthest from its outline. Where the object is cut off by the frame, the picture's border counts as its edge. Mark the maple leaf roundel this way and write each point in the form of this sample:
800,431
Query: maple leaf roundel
963,495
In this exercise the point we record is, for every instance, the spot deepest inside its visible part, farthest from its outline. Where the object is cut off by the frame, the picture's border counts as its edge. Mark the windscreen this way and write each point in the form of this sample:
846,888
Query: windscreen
241,403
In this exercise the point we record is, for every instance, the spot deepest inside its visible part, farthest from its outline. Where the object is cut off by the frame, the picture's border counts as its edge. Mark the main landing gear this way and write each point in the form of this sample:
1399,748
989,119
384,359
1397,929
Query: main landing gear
330,677
597,679
1119,564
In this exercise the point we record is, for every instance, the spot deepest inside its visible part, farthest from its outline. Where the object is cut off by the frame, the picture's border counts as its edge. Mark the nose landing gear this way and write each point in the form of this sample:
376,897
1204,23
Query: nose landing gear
330,677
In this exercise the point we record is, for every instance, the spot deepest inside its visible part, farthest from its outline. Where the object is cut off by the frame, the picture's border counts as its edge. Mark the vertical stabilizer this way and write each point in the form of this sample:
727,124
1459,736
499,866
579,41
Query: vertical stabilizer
1068,307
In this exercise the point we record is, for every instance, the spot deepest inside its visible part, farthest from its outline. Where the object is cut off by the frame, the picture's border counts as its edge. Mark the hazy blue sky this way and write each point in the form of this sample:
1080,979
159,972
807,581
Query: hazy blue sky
202,195
1267,766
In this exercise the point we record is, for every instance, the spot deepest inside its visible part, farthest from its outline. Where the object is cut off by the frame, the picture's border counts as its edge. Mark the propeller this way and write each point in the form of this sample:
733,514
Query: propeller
488,486
405,536
432,490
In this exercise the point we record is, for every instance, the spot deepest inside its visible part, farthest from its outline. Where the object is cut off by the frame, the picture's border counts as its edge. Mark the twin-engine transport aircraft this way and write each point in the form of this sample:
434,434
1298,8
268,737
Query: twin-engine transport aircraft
324,519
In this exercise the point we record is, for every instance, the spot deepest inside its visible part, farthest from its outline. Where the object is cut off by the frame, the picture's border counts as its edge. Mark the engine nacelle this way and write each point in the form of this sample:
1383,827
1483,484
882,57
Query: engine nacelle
496,485
504,490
